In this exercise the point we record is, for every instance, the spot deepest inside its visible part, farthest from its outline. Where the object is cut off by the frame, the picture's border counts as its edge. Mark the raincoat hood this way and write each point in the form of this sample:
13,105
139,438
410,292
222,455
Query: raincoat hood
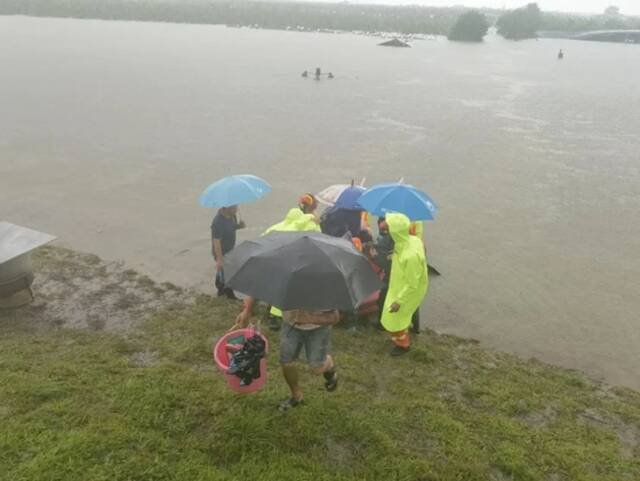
290,223
293,215
398,227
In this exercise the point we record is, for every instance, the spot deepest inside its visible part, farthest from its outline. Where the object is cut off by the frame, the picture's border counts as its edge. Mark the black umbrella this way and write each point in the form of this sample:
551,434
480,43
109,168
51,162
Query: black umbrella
301,270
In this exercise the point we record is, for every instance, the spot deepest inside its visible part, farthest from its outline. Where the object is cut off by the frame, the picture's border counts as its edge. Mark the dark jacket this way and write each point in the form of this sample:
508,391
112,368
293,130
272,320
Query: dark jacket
337,222
384,249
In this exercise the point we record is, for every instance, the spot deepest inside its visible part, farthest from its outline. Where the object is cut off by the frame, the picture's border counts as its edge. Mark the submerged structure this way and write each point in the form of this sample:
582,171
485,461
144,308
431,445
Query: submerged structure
395,42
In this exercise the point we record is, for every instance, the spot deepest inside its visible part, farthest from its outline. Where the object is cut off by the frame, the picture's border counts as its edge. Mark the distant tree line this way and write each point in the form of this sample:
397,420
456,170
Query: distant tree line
273,15
456,22
526,22
582,23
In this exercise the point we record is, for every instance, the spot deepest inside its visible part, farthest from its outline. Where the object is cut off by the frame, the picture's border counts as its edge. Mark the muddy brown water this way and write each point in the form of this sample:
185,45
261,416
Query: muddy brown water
110,130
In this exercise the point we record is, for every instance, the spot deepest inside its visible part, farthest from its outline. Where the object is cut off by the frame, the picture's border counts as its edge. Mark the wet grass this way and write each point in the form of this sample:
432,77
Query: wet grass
81,405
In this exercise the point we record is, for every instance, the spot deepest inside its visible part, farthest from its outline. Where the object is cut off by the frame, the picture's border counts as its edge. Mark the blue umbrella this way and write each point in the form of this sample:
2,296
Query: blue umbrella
349,198
406,199
233,190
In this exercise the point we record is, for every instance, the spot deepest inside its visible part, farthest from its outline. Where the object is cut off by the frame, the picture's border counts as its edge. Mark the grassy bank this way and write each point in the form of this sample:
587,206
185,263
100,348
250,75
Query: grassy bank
146,403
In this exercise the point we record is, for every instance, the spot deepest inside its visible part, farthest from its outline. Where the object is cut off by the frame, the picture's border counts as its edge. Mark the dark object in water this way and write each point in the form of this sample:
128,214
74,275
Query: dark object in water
317,75
560,55
396,42
245,363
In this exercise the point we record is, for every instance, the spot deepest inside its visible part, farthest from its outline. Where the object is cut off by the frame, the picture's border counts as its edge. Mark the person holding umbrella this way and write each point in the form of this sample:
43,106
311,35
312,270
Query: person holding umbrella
415,204
298,219
225,194
223,240
310,276
408,282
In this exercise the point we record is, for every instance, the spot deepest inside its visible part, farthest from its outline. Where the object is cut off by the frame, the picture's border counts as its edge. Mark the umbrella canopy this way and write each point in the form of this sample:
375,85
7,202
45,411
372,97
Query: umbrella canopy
406,199
330,195
348,199
301,270
233,190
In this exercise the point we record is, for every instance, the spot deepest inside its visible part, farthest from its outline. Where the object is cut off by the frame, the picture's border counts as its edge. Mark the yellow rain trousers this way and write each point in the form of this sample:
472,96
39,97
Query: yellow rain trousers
408,282
295,221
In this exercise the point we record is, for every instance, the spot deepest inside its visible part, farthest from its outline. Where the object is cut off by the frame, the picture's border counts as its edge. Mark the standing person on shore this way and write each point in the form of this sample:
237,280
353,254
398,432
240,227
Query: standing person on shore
381,254
310,330
223,240
408,282
300,219
383,249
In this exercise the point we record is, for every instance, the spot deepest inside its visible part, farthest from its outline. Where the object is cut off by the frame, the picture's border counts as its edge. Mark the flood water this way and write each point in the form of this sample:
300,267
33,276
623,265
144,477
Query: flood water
110,130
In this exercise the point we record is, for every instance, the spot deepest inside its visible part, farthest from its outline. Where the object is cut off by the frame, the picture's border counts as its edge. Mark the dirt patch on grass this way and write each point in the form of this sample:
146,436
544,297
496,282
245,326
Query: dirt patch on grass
83,291
628,434
145,358
539,419
341,452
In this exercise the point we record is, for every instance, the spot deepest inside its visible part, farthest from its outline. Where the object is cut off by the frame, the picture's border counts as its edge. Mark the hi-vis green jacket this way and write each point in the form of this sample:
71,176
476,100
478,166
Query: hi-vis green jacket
295,220
408,282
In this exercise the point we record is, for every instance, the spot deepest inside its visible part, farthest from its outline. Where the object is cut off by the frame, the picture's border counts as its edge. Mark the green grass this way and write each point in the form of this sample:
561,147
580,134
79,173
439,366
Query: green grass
80,405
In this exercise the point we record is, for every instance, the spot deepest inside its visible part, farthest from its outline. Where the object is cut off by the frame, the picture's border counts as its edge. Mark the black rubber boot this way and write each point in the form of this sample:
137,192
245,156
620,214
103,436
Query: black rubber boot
330,379
398,351
415,322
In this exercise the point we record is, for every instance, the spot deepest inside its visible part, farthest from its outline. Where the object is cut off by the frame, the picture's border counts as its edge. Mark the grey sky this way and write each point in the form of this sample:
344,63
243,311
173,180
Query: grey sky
630,7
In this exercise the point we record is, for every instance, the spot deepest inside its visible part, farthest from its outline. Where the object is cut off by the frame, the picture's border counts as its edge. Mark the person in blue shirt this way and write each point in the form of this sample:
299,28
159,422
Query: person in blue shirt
223,240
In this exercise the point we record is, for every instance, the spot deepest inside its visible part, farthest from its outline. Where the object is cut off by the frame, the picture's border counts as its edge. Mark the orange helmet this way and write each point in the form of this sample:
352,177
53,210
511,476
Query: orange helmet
308,203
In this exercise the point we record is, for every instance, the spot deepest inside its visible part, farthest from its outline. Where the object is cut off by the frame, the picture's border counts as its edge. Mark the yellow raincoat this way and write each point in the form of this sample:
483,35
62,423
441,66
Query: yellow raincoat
295,221
408,282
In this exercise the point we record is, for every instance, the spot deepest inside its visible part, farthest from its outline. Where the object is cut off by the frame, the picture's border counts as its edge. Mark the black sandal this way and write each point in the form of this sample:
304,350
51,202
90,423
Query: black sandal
331,380
289,403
